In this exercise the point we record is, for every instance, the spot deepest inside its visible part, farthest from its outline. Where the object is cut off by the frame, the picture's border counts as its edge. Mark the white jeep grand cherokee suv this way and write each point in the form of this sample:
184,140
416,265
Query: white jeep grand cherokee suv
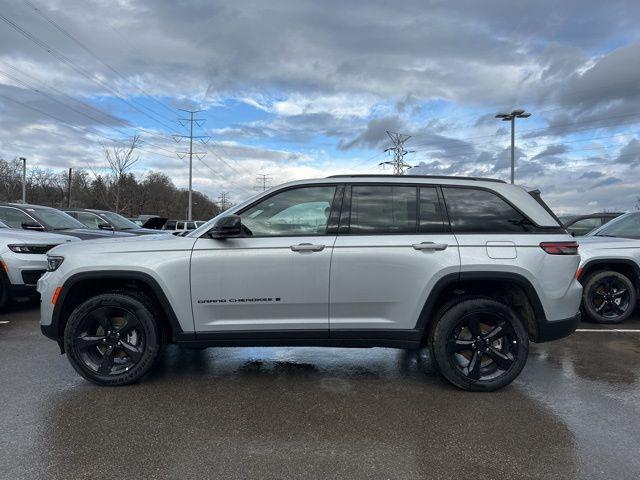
23,257
473,268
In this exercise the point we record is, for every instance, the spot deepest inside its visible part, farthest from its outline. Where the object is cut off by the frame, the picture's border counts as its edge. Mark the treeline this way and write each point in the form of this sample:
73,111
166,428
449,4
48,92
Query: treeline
151,194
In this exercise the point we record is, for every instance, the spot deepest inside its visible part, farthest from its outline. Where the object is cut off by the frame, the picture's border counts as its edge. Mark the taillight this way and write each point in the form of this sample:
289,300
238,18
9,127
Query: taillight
560,248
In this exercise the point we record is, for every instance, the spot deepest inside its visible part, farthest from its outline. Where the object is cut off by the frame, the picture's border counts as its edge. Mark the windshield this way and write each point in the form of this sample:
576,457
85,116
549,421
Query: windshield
626,226
55,219
118,221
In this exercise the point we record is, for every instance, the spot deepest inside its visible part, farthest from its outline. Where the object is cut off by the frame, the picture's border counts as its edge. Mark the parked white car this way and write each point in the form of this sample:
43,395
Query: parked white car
472,268
610,269
23,255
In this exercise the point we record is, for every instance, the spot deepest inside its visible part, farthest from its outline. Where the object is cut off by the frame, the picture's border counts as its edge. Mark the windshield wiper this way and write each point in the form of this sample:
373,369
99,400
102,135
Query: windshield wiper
604,235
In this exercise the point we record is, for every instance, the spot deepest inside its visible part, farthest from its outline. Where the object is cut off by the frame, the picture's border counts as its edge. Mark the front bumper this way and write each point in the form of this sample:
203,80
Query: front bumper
553,330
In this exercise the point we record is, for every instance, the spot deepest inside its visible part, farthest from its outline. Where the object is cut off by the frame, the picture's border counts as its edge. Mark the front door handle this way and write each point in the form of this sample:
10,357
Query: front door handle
307,247
430,246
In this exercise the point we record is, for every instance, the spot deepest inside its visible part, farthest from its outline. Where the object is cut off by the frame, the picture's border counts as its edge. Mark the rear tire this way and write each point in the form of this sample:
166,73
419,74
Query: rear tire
112,338
608,297
479,344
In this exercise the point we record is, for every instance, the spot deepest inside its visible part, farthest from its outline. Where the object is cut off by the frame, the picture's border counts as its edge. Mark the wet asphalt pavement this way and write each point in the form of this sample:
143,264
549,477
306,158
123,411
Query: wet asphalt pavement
274,413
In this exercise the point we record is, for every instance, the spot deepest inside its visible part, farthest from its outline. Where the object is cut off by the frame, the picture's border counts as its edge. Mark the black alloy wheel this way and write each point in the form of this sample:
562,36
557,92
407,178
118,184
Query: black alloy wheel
112,339
483,346
479,344
609,297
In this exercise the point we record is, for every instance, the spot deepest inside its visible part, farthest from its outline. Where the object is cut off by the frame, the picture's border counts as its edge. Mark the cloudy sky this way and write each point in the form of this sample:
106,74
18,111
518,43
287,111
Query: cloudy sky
299,89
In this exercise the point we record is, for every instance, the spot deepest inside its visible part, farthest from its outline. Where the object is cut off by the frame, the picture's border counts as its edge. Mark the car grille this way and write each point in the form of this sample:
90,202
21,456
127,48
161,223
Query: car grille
30,277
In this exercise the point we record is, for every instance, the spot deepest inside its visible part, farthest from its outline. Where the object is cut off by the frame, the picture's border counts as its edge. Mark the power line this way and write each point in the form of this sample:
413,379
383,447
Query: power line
224,199
94,55
64,59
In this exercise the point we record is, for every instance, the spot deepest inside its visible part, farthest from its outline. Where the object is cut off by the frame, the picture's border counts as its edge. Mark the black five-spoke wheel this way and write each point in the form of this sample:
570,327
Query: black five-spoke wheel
609,297
112,338
110,341
479,344
483,345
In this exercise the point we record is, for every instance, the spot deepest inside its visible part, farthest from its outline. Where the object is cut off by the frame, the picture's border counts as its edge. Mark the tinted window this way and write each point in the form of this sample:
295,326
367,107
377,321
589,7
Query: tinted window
89,219
584,226
170,225
300,211
383,209
430,211
14,217
627,226
55,219
479,211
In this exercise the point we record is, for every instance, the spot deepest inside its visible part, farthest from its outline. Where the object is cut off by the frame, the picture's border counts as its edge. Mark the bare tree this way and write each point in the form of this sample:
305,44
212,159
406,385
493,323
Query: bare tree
121,160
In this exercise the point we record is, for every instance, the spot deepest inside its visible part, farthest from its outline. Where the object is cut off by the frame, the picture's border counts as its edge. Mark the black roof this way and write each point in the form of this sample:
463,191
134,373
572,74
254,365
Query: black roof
444,177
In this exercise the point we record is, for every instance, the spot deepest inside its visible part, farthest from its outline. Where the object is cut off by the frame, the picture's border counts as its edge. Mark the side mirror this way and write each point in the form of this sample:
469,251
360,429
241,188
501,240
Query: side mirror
105,226
32,226
226,227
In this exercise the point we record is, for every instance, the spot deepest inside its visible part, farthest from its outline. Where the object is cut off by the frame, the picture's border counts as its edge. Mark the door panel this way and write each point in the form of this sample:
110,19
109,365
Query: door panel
261,283
382,282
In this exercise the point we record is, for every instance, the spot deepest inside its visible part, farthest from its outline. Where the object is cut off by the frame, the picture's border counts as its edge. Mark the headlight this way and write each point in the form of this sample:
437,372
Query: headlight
41,249
53,263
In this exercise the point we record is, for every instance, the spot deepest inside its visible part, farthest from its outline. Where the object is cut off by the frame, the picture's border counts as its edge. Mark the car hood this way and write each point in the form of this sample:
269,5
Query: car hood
132,243
90,234
10,235
146,231
606,245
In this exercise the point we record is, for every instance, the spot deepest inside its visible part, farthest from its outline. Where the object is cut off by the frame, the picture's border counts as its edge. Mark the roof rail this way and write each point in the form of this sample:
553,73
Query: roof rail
447,177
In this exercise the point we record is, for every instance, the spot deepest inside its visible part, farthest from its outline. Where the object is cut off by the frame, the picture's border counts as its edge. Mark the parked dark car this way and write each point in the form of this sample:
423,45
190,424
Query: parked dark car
579,225
106,220
47,219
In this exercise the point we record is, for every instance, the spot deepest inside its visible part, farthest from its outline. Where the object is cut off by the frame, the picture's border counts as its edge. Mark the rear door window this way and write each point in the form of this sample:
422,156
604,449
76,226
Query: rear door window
431,219
383,209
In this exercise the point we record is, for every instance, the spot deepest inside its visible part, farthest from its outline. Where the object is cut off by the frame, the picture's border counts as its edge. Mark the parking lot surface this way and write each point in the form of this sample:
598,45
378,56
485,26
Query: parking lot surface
320,413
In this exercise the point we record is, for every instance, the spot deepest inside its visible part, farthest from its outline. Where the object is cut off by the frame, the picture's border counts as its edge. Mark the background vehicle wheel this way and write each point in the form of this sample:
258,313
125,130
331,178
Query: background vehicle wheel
4,292
479,344
112,338
608,297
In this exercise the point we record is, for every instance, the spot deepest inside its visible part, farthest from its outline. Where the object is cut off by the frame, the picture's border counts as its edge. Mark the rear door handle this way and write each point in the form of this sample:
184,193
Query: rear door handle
430,246
307,247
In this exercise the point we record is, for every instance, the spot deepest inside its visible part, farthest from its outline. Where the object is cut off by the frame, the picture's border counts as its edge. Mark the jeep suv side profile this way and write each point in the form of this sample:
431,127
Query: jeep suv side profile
473,268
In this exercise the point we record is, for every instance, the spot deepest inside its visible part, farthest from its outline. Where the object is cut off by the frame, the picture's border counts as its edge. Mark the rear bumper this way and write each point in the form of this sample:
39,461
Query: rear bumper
553,330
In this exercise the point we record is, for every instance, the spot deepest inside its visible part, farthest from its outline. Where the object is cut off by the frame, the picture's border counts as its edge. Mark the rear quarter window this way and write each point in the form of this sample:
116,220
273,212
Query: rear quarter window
473,210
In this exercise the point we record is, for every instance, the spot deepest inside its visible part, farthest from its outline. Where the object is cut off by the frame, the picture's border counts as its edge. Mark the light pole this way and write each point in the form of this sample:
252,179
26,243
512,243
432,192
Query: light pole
511,117
24,179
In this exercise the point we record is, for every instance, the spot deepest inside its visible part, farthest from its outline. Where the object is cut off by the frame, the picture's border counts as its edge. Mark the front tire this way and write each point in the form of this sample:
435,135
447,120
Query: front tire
112,338
479,344
609,297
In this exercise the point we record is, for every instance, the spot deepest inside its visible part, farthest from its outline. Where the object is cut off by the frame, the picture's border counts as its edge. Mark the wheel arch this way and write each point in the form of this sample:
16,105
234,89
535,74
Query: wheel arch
624,266
81,285
507,287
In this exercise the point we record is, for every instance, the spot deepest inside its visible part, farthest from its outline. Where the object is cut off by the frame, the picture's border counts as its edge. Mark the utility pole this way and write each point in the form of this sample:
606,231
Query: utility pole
24,179
69,190
224,198
511,117
202,138
263,180
399,152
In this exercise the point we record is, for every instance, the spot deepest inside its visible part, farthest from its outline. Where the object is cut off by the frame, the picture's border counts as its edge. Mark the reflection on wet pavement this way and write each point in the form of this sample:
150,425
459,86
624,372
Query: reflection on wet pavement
319,413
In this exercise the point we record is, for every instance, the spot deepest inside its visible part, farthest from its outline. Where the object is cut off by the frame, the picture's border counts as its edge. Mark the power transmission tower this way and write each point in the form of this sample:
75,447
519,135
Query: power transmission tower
224,199
263,180
399,152
200,155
